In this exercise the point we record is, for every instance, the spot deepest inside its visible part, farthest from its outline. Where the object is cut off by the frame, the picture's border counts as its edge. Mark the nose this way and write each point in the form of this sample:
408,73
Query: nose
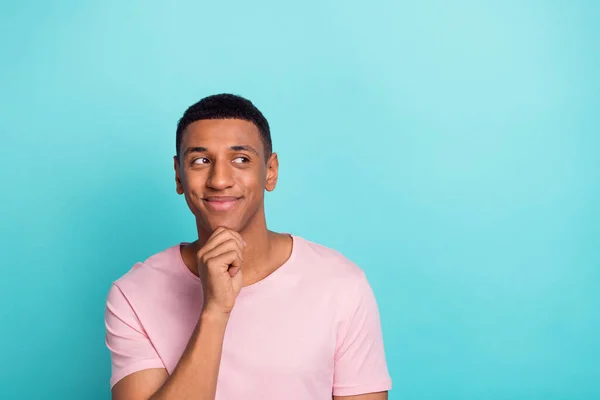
220,176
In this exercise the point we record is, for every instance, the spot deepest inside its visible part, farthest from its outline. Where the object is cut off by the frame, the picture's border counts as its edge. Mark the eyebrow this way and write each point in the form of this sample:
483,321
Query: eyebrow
243,147
194,150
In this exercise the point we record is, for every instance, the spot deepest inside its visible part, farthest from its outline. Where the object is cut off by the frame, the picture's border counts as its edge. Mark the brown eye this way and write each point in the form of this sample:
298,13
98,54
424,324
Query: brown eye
201,160
241,160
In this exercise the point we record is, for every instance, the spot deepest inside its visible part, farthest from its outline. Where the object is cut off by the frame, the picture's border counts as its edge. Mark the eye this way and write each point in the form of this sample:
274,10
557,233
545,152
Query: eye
241,160
201,160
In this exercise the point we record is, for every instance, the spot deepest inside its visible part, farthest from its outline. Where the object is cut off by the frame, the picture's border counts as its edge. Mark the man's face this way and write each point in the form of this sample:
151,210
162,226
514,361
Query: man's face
223,173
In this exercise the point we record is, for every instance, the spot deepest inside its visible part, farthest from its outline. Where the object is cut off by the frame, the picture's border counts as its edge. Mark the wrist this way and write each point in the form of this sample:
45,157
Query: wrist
213,314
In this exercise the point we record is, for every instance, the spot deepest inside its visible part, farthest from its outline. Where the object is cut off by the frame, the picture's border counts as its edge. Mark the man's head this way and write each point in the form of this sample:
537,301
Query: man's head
225,106
224,162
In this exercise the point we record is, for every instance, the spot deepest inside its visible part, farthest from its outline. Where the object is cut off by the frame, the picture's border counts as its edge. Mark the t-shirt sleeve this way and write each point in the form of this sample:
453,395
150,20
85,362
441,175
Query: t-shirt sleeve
130,348
360,364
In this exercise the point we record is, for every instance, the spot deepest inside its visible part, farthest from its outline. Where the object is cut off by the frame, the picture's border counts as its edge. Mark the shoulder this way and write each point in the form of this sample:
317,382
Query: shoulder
330,265
327,257
152,273
341,286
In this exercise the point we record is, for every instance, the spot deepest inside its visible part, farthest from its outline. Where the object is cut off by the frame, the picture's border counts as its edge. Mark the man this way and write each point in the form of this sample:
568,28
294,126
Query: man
242,312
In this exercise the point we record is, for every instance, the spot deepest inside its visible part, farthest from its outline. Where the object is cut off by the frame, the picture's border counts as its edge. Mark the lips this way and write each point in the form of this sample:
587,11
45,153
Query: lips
220,203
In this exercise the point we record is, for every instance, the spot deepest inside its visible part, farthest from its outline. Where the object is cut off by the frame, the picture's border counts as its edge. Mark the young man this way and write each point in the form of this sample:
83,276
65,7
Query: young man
242,312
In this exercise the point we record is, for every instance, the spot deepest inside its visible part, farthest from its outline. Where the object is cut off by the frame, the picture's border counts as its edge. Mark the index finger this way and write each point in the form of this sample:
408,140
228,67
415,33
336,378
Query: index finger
219,237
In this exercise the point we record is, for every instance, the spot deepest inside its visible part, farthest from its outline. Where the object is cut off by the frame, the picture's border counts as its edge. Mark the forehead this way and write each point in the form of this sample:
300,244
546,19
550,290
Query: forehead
216,133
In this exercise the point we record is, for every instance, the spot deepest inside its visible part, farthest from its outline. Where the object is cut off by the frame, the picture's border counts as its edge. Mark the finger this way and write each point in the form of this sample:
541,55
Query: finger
209,244
224,248
218,230
225,234
224,261
218,238
214,238
235,267
230,243
238,237
233,271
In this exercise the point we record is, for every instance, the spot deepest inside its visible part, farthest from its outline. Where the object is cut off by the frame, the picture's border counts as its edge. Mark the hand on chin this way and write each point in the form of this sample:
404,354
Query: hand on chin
224,222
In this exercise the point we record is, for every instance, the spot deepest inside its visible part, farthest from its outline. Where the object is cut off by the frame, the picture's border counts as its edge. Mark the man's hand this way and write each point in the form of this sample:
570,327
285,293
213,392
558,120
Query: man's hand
220,269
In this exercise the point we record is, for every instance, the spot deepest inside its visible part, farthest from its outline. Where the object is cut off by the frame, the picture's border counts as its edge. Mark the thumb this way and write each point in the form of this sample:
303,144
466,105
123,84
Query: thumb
234,268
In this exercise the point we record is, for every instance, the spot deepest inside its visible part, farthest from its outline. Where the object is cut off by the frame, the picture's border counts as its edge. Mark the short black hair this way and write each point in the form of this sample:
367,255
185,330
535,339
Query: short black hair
225,106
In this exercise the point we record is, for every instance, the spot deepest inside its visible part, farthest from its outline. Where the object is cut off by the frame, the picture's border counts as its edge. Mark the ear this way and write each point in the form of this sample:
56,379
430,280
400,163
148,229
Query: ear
178,184
272,172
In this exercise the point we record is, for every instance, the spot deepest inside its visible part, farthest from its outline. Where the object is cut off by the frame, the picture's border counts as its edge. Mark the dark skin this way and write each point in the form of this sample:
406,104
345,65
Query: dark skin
223,172
227,158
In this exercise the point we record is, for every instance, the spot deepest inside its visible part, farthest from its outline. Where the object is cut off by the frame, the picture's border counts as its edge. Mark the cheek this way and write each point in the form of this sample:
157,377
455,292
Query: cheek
193,180
254,183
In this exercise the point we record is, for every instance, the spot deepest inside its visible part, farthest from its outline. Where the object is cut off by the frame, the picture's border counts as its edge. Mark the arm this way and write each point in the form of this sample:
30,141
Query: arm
195,376
201,358
360,371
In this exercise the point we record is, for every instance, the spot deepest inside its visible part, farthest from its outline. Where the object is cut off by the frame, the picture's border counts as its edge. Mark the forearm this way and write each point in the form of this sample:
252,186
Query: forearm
195,376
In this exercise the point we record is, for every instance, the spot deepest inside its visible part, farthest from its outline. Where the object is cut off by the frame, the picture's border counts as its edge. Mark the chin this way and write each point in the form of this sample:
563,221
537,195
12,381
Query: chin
229,223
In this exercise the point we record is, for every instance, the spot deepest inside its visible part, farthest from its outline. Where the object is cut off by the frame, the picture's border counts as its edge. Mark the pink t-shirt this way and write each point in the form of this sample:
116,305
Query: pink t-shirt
308,330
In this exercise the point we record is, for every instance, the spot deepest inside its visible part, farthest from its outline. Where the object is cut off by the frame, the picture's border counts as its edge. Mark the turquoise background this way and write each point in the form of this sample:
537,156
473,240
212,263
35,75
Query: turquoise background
449,148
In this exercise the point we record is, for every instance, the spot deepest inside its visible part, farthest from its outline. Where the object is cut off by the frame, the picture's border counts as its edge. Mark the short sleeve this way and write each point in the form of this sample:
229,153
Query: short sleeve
130,348
360,364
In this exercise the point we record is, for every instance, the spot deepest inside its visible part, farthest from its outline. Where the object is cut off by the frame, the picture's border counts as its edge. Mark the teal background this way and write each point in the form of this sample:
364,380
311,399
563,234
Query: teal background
449,148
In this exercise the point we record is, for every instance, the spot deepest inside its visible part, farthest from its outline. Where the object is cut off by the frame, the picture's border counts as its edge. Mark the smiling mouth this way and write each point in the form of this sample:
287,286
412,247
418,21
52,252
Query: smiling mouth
220,203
